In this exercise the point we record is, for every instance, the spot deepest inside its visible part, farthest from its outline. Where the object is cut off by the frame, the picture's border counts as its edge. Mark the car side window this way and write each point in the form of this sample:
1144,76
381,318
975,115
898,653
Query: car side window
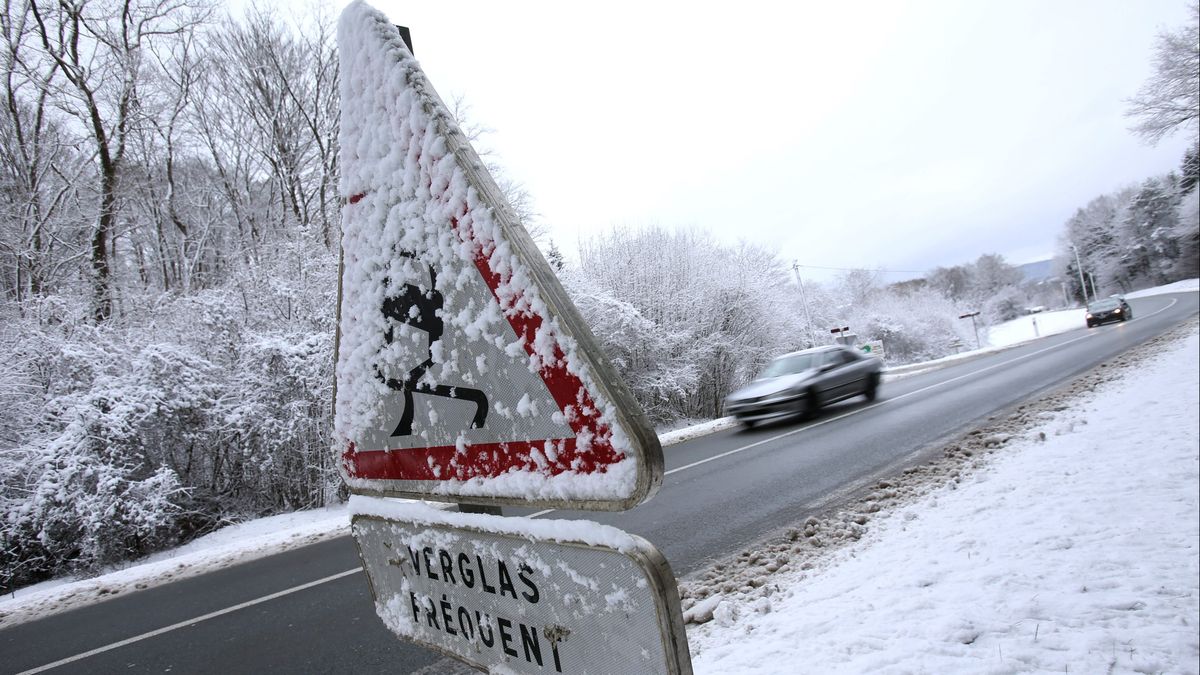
838,358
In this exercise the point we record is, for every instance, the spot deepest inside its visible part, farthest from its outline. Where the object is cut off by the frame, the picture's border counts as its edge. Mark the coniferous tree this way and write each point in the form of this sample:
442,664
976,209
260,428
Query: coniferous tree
1189,170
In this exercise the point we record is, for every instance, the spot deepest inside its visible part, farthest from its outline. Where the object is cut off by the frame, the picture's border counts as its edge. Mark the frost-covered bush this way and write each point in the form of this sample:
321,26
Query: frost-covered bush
278,430
85,488
913,326
683,318
651,359
1007,304
78,506
117,441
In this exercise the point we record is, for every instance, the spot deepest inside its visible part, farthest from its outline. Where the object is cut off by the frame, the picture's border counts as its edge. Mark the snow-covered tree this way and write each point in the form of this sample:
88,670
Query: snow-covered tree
1134,237
555,257
100,51
683,317
1092,233
989,284
913,322
1145,232
1187,236
1189,170
952,282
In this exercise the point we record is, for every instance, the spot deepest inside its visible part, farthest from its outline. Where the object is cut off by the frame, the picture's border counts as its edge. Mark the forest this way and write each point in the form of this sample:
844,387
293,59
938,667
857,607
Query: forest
169,237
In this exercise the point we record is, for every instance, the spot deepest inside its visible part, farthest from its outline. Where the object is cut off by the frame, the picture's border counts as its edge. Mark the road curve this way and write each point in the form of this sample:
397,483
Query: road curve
307,611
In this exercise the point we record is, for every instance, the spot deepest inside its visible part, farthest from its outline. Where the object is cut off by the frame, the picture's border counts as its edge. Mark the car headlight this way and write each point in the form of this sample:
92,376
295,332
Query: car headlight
1089,316
1117,310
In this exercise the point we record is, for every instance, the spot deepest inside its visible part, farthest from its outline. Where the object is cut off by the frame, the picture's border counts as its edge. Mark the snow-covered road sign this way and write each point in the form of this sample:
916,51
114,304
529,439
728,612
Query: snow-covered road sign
531,595
464,372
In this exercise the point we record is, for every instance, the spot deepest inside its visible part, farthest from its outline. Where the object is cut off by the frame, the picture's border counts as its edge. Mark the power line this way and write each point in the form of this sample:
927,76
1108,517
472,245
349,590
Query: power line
865,269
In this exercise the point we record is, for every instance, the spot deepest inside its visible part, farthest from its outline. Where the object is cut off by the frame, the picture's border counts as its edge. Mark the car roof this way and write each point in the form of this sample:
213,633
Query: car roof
811,350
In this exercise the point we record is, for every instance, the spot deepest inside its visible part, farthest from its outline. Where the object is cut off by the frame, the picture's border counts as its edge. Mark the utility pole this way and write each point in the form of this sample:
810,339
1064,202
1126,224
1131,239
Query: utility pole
804,298
1095,296
1079,268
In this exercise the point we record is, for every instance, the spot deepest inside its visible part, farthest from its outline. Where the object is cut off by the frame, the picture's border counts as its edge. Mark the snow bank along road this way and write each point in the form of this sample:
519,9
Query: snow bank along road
722,492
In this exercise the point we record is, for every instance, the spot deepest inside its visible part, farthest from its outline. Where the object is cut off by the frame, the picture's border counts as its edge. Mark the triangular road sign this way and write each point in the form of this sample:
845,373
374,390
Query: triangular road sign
464,372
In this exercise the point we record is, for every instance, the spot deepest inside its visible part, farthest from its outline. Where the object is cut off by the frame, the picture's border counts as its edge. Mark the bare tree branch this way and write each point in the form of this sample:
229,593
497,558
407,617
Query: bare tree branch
1170,99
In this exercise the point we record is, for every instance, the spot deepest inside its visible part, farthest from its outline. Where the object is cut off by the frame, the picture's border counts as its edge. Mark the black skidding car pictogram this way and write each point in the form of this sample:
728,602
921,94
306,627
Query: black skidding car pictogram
428,305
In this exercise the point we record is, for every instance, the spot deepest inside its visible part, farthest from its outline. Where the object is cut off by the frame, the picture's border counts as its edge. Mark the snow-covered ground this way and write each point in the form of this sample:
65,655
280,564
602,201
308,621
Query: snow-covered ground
267,536
1075,549
1185,286
1025,328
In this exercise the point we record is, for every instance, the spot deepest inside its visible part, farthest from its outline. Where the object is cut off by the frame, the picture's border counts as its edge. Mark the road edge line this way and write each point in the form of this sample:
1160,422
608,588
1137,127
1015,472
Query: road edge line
189,622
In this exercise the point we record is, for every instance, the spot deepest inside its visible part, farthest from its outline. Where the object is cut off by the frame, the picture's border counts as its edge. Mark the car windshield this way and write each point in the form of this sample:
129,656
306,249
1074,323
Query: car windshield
1103,305
789,365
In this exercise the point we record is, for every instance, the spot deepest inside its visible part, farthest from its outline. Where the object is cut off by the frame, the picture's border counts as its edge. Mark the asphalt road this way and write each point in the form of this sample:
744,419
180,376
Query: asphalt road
721,493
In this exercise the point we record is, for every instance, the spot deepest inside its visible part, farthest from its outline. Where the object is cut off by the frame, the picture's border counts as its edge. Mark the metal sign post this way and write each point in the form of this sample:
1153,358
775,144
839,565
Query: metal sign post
971,316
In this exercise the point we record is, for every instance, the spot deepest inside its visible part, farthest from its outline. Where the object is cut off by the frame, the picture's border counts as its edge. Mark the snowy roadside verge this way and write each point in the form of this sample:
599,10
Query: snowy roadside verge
1062,536
696,431
227,547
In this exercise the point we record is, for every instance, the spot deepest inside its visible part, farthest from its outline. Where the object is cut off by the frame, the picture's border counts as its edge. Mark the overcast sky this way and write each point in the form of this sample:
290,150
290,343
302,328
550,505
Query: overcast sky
897,135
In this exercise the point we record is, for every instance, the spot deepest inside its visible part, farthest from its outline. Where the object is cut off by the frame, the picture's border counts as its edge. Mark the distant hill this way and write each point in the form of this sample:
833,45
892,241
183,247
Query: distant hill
1037,270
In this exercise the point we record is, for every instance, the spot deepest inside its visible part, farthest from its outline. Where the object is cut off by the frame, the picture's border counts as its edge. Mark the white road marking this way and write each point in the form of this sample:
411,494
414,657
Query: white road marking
189,622
1169,306
339,575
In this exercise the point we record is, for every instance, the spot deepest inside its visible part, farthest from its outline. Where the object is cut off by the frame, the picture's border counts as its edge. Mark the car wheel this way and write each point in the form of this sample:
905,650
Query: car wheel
872,387
747,424
1091,325
812,406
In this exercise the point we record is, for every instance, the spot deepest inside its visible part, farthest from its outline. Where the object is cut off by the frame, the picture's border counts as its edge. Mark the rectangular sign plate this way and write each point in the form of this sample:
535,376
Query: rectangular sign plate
528,595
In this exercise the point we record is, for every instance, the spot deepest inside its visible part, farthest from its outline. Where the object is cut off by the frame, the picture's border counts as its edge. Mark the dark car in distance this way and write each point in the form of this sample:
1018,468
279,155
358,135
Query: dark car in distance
1108,309
802,382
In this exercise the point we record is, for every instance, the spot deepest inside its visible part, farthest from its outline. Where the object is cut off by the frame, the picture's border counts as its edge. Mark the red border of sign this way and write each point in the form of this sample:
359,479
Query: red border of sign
489,460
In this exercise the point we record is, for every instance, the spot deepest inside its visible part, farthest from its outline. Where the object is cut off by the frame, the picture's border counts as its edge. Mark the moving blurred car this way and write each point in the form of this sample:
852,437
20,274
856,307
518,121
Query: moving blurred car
801,382
1108,309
